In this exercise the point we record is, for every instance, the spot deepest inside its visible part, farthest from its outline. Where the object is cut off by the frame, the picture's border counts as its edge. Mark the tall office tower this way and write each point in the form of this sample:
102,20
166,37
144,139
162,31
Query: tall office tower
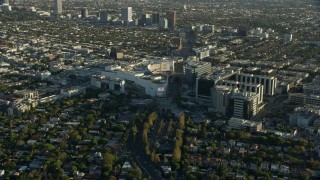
245,105
155,18
171,16
208,29
57,6
177,42
189,40
242,31
143,19
163,23
5,2
287,38
221,96
84,13
104,16
126,14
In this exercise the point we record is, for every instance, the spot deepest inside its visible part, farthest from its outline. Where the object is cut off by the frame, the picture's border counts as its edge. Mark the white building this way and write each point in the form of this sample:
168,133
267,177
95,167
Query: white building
287,38
202,53
126,14
57,7
242,124
269,82
2,172
5,8
72,91
248,87
258,31
152,85
221,96
311,88
112,84
245,104
163,23
27,94
44,75
208,28
299,98
163,65
304,116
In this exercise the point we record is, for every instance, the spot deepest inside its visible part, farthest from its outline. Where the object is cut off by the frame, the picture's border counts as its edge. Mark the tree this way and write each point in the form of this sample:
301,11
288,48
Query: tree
157,159
176,154
223,170
108,161
20,143
48,147
212,176
135,172
147,149
145,136
153,155
134,131
170,126
182,120
63,145
152,118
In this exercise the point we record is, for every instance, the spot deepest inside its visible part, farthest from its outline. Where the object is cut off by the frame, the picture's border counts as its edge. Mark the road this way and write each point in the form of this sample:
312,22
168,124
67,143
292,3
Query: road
137,148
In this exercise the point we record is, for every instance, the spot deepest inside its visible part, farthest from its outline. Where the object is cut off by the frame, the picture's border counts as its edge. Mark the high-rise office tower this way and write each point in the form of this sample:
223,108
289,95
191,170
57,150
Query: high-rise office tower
171,16
155,18
84,13
104,16
245,105
163,23
57,6
4,2
145,19
221,96
126,14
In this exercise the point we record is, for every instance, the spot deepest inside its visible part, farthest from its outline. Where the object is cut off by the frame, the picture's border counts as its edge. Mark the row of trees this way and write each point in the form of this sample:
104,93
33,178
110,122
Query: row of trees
152,118
176,154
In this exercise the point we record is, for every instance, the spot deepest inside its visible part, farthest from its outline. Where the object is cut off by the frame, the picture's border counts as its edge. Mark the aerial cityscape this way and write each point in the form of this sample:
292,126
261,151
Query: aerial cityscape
160,89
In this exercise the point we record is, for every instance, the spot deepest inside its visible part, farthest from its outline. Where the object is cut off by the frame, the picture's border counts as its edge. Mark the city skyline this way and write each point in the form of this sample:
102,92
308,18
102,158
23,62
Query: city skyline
160,89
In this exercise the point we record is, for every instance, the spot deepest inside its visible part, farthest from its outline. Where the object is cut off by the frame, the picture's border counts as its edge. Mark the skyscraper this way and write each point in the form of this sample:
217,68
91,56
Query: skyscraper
245,105
57,6
171,16
104,16
84,13
126,14
155,18
4,2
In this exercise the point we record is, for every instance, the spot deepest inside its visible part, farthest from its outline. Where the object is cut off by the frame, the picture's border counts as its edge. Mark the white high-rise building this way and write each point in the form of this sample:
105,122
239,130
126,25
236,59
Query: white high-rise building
245,105
247,87
221,96
5,8
287,38
164,23
57,6
126,14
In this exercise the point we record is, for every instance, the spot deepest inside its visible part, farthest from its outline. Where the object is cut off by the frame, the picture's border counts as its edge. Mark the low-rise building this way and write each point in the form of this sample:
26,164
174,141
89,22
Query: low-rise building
242,124
304,116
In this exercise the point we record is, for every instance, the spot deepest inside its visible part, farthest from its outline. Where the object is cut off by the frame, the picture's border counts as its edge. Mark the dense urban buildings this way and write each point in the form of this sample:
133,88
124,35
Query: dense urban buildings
131,89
